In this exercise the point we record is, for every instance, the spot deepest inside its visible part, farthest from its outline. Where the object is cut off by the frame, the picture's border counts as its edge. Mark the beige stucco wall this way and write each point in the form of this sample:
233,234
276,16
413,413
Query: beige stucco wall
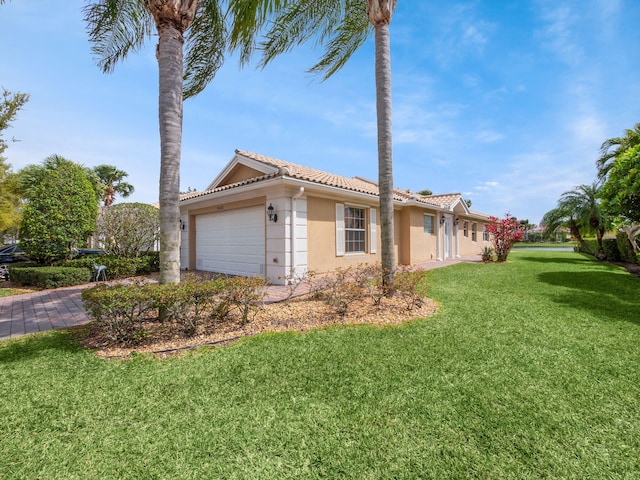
418,247
239,173
467,245
321,234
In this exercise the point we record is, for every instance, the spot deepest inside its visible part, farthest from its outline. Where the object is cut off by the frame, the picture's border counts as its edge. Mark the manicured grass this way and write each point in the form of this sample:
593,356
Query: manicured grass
543,244
530,370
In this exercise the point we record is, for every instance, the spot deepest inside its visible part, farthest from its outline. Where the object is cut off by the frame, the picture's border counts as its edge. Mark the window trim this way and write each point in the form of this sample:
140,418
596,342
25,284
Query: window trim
370,229
433,220
362,231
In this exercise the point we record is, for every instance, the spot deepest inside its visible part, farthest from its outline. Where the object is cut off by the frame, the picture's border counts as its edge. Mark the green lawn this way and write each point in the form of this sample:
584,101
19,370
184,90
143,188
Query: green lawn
530,370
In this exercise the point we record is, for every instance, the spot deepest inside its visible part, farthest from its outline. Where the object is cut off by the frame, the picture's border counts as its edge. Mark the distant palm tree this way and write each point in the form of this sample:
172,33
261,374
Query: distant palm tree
343,26
117,27
112,179
612,148
579,209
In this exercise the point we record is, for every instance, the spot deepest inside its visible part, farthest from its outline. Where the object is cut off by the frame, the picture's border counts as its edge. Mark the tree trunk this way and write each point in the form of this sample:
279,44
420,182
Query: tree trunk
169,55
380,17
575,232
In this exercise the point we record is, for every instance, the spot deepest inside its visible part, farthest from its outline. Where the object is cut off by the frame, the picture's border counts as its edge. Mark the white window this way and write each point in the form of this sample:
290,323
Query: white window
355,231
465,226
428,223
351,229
474,232
485,233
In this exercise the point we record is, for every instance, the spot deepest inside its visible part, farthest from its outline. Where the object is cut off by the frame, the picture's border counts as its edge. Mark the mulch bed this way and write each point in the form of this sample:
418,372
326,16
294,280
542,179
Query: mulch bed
300,314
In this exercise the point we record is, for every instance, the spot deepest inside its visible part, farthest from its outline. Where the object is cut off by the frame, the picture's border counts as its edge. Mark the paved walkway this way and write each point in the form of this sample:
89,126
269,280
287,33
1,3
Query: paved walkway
62,307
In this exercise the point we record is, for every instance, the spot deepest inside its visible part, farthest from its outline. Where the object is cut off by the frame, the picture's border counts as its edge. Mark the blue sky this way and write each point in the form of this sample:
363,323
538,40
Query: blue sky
506,102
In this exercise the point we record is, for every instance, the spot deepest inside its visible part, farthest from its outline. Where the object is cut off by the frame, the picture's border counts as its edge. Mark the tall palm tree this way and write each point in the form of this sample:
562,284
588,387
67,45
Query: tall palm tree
612,148
343,26
113,180
117,27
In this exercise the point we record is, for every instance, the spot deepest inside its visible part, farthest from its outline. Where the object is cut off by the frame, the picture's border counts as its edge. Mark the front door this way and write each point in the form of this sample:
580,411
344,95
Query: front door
448,242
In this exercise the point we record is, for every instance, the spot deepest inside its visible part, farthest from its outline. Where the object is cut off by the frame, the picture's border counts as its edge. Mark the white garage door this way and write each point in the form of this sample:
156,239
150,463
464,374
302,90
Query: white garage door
231,242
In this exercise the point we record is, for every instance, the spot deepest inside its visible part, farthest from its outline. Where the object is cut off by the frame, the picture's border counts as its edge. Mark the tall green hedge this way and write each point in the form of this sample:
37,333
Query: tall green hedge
610,246
625,248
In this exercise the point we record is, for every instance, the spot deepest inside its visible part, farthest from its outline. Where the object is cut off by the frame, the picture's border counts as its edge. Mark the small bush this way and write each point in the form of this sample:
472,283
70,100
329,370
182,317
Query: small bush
245,294
49,277
116,308
411,286
611,252
150,263
192,301
345,286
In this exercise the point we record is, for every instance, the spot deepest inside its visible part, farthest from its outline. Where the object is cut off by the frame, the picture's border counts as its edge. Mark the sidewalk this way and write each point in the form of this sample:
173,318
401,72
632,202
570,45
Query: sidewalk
62,307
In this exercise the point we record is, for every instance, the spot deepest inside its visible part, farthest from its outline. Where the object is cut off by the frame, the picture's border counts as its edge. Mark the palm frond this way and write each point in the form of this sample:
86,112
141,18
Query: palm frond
249,18
353,31
612,148
340,25
116,27
205,47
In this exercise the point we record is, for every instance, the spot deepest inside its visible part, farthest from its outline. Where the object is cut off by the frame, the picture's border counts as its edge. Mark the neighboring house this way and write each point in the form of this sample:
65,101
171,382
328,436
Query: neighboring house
267,217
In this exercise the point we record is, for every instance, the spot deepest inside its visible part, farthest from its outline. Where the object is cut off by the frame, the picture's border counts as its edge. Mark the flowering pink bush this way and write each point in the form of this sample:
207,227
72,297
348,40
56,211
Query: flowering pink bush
504,233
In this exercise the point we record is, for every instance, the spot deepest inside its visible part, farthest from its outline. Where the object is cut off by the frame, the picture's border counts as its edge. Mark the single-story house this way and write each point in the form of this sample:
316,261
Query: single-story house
266,217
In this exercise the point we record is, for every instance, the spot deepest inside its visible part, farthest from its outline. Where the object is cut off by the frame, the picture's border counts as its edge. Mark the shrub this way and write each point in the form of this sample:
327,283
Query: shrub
591,244
611,252
150,262
625,248
411,286
504,233
49,277
245,294
191,301
116,308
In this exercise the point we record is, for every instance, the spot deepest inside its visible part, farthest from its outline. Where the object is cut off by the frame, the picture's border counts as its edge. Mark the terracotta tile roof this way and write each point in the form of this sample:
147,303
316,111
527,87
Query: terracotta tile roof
355,184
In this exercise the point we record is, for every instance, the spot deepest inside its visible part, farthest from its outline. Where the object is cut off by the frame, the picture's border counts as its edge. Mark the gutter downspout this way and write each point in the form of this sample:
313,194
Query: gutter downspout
293,271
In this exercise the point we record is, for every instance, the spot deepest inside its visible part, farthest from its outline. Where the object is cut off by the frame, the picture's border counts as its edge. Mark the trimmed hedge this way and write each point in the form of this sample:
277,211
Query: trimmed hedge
49,277
625,248
611,252
120,309
119,267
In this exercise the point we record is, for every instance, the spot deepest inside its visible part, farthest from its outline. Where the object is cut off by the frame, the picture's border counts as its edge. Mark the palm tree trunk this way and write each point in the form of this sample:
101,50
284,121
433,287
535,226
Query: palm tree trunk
169,55
385,150
575,232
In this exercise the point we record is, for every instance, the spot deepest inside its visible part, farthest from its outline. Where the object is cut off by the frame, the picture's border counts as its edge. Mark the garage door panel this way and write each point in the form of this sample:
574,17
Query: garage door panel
231,242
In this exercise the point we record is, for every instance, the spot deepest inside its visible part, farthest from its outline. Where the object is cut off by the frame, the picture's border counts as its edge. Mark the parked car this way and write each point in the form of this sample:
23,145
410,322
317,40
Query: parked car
84,252
12,254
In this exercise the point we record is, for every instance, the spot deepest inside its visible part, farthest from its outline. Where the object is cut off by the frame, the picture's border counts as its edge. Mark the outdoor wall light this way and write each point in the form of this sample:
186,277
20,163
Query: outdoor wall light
182,225
273,217
442,220
457,221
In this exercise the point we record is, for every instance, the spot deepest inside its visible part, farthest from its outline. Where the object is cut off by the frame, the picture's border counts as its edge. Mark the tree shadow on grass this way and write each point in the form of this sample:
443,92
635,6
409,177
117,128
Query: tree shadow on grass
37,345
577,259
609,294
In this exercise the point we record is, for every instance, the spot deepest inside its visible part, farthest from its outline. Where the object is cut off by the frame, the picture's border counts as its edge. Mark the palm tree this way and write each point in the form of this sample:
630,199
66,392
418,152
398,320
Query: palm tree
612,148
113,182
117,27
579,209
587,209
343,26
